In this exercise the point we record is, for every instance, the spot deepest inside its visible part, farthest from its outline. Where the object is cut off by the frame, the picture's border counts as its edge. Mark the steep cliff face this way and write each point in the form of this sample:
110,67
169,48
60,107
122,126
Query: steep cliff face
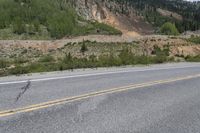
97,9
114,14
91,9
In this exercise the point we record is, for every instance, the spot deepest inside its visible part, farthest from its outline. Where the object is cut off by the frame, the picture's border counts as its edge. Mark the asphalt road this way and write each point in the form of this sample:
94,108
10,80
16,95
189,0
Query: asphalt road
154,99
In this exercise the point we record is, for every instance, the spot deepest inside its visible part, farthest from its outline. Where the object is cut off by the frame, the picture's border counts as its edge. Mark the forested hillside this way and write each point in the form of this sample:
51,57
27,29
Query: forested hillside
148,9
45,19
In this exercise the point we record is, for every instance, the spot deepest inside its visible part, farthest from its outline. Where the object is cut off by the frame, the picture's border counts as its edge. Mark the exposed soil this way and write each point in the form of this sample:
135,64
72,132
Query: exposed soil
131,25
169,14
178,45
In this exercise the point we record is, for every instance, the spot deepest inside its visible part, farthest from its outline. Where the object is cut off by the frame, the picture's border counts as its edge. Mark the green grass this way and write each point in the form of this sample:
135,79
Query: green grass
47,63
194,39
193,58
46,58
3,63
7,34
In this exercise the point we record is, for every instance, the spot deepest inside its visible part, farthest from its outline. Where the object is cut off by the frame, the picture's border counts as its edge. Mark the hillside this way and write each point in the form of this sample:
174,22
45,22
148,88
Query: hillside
185,15
55,19
25,19
109,13
141,16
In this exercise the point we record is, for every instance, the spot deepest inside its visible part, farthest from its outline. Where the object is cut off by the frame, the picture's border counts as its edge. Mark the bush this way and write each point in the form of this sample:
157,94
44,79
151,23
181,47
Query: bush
19,70
169,29
161,52
3,63
159,59
107,29
126,57
18,26
68,58
193,58
20,60
194,39
108,60
46,58
83,48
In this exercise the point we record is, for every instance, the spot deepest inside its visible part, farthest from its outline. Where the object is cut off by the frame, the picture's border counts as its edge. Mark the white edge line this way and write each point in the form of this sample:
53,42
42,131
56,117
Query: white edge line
90,74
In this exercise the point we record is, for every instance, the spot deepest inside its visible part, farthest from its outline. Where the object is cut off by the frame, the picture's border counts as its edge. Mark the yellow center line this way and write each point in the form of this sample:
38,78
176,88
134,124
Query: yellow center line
89,95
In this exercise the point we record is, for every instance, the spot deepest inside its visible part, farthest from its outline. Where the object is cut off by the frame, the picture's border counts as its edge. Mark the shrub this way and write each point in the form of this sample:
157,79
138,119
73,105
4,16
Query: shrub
194,39
3,63
83,48
19,70
106,28
18,26
20,60
193,58
169,29
46,58
159,59
68,58
126,56
161,52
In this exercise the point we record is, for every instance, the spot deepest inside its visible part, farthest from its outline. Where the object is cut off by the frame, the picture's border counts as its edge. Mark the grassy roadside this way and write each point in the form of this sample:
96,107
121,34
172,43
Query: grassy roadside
85,54
75,63
47,63
193,58
194,39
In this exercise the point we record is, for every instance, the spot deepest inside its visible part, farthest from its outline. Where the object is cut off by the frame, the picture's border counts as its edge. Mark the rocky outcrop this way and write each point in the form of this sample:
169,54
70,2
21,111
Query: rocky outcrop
118,15
91,9
96,9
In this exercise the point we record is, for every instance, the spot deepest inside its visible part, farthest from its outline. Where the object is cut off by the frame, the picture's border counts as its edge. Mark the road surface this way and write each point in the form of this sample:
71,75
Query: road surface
153,99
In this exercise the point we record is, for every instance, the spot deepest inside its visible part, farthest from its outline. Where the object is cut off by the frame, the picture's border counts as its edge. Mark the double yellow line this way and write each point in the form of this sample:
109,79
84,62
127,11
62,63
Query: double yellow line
90,95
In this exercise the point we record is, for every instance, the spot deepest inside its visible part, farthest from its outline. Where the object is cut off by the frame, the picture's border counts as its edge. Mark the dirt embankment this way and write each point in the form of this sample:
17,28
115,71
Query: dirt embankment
178,46
45,45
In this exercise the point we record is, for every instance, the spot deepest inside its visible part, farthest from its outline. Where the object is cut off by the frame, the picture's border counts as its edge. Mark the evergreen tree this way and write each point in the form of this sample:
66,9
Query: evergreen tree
83,48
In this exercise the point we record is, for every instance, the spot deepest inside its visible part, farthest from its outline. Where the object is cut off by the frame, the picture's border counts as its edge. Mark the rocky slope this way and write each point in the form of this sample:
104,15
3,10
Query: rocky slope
133,15
108,12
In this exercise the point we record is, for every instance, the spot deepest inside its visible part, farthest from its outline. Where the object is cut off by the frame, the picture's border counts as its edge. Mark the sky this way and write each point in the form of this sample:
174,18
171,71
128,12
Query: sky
192,0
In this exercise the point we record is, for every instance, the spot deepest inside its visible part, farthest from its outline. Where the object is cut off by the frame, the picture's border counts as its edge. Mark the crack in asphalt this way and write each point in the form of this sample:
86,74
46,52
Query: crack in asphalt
24,89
